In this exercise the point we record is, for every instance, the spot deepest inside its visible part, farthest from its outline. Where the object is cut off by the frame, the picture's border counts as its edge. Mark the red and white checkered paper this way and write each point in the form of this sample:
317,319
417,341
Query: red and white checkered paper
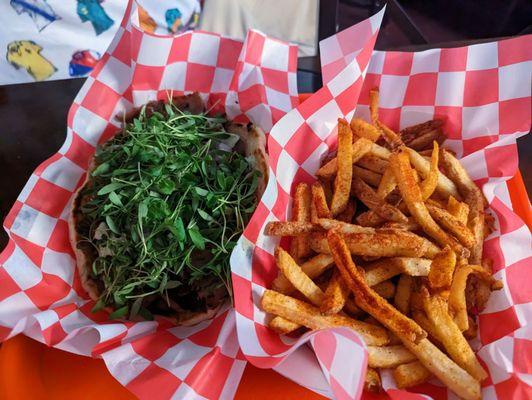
483,92
40,291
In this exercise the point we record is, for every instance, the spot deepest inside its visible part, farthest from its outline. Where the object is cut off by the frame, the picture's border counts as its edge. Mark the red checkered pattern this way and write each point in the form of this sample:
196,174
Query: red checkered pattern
40,291
296,144
483,91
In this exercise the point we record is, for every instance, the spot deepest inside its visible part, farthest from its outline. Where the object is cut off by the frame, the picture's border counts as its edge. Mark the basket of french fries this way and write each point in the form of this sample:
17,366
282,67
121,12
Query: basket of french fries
389,221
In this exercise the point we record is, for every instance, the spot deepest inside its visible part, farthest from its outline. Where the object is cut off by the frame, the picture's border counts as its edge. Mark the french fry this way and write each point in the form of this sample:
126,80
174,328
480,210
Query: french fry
386,268
283,326
412,196
374,105
373,163
320,202
359,148
380,244
451,336
411,225
411,374
452,224
366,194
380,271
307,315
425,140
402,293
370,177
385,289
442,269
445,186
457,298
431,181
414,131
472,196
379,151
290,228
301,213
458,209
335,295
372,382
421,318
312,268
366,298
388,356
343,227
387,184
349,212
391,138
297,277
369,219
362,129
327,185
446,370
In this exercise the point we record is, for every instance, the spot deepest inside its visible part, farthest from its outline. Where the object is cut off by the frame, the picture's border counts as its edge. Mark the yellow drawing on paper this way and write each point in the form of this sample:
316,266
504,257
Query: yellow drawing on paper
27,54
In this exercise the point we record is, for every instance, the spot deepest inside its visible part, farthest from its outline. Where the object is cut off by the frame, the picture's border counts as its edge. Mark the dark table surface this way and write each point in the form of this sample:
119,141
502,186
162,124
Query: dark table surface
33,127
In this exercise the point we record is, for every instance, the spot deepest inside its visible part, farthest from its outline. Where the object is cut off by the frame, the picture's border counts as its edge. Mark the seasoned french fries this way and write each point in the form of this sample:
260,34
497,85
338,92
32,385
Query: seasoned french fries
411,374
343,227
445,186
335,295
359,148
307,315
342,182
373,163
362,129
366,298
402,294
283,326
372,382
418,238
389,356
298,278
431,181
301,213
392,139
458,209
451,336
374,105
370,177
387,184
313,268
442,269
349,212
320,202
390,243
412,196
367,196
452,224
290,228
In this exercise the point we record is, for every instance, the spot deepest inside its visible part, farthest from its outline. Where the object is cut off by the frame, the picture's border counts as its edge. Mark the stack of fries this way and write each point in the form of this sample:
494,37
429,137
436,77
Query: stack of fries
388,242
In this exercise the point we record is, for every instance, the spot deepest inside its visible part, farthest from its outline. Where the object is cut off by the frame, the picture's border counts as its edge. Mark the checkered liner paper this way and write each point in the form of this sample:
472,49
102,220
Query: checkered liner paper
40,289
483,92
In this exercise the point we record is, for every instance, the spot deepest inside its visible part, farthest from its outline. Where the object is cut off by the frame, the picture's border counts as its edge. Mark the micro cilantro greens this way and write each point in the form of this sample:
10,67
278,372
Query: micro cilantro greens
163,196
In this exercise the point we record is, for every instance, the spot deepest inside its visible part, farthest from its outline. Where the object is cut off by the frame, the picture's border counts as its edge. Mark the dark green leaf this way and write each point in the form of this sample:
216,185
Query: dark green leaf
197,238
204,215
110,188
100,169
111,224
115,199
180,228
119,313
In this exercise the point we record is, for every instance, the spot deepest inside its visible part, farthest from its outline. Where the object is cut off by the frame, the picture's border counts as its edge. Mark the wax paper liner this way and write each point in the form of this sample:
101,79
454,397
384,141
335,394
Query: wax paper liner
40,291
483,92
